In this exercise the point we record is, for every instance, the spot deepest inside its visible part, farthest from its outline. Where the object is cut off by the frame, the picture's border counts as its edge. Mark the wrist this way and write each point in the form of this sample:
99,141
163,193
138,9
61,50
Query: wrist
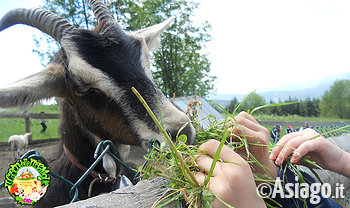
258,203
346,164
253,200
268,172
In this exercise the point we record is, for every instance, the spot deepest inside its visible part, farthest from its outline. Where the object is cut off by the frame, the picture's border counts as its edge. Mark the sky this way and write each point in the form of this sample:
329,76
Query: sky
256,45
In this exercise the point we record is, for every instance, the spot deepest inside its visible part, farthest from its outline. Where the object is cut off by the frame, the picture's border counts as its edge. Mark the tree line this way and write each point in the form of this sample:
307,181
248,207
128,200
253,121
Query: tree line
334,103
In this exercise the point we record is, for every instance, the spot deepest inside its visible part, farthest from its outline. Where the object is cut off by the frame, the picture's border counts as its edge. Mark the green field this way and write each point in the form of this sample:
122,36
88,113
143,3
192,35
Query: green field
11,126
295,118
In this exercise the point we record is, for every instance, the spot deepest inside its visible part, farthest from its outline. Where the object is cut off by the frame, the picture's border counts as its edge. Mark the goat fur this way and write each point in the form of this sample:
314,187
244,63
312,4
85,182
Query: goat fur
91,76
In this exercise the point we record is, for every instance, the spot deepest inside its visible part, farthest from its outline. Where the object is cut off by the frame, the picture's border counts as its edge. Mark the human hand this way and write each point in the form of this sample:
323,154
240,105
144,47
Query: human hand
309,143
258,138
232,181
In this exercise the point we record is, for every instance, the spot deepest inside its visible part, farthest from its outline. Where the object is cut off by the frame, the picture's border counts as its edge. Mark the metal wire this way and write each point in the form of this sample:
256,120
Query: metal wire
154,143
107,145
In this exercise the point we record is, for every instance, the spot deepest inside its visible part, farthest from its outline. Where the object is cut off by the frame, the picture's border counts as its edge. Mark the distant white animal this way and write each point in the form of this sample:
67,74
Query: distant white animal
18,144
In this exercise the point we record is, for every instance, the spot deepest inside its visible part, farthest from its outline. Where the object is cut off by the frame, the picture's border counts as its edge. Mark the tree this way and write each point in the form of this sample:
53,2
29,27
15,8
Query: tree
292,109
285,110
254,100
276,110
232,105
310,107
336,101
180,68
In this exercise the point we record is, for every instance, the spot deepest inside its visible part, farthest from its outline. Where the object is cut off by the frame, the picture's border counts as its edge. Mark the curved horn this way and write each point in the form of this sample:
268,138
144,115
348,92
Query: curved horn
45,21
100,10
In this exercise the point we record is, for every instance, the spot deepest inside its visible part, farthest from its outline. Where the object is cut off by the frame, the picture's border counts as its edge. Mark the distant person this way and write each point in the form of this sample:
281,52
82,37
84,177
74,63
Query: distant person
43,122
290,129
275,133
306,126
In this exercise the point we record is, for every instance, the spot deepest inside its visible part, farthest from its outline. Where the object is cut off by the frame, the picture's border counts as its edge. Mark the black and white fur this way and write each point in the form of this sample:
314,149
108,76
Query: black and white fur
92,75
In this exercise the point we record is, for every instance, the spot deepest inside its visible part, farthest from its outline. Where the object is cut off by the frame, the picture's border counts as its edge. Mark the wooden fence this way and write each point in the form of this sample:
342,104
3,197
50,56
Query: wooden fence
27,116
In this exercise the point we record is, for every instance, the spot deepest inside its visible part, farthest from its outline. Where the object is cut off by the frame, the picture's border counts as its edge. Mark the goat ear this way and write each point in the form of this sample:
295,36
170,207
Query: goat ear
43,85
152,34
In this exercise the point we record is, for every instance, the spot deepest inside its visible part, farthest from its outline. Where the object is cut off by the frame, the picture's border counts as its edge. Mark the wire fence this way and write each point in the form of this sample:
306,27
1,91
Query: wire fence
108,148
326,130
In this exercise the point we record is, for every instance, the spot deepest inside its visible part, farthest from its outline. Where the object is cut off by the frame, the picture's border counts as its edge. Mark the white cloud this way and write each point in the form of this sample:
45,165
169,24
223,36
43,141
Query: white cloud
16,56
17,59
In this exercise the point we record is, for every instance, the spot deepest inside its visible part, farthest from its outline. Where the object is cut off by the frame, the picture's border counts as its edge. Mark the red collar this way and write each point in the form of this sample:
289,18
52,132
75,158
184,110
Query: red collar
93,173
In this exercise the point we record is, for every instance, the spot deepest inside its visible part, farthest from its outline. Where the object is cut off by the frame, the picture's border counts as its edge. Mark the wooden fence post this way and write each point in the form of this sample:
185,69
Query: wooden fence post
27,124
26,121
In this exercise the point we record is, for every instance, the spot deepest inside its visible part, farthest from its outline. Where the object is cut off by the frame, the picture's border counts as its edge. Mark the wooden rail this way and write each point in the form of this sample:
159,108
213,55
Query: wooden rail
27,116
145,194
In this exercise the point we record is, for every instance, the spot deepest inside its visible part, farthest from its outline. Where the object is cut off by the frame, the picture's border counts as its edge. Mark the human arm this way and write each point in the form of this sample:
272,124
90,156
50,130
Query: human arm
232,180
309,143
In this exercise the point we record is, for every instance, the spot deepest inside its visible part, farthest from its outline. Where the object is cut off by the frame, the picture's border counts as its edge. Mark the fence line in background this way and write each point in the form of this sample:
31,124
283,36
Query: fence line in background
332,129
310,123
27,116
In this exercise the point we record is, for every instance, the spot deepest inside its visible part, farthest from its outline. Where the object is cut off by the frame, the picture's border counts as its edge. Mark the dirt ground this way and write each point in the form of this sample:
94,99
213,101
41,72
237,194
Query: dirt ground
47,150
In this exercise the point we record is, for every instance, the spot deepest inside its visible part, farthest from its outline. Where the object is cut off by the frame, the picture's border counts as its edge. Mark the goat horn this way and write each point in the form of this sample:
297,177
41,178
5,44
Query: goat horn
100,10
45,21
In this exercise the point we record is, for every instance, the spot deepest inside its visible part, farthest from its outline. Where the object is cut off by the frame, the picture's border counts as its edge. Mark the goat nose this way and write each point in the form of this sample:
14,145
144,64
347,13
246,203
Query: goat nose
188,131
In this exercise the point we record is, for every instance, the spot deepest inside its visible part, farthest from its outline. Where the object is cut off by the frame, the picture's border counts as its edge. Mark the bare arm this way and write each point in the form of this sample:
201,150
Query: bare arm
310,143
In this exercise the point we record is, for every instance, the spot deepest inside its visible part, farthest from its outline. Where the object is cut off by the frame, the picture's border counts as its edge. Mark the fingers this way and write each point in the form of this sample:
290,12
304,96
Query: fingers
246,125
247,120
294,142
200,177
226,154
204,163
288,149
302,150
246,116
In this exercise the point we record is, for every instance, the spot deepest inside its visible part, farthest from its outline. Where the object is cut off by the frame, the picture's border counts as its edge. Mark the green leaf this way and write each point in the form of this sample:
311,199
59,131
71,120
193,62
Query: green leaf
272,105
207,195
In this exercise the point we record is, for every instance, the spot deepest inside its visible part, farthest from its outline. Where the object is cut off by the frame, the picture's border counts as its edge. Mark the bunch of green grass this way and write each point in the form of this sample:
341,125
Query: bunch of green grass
170,162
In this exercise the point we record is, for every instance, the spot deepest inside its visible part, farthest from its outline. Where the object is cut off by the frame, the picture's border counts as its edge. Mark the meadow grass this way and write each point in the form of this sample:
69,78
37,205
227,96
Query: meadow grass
11,126
296,118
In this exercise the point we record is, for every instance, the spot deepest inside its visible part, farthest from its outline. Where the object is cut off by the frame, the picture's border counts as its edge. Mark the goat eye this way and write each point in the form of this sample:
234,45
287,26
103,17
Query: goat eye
79,93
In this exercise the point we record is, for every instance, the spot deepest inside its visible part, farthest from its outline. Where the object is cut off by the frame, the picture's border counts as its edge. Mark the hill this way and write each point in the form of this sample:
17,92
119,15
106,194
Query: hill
305,90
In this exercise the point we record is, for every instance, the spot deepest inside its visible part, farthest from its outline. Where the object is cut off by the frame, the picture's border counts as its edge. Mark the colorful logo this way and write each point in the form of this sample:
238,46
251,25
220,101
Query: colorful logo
27,181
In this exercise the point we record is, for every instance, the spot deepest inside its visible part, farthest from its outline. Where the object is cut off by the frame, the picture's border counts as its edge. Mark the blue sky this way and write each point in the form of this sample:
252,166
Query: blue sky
257,45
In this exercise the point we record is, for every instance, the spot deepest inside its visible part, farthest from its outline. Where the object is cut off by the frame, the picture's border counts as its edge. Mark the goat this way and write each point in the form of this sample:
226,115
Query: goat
18,144
91,76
